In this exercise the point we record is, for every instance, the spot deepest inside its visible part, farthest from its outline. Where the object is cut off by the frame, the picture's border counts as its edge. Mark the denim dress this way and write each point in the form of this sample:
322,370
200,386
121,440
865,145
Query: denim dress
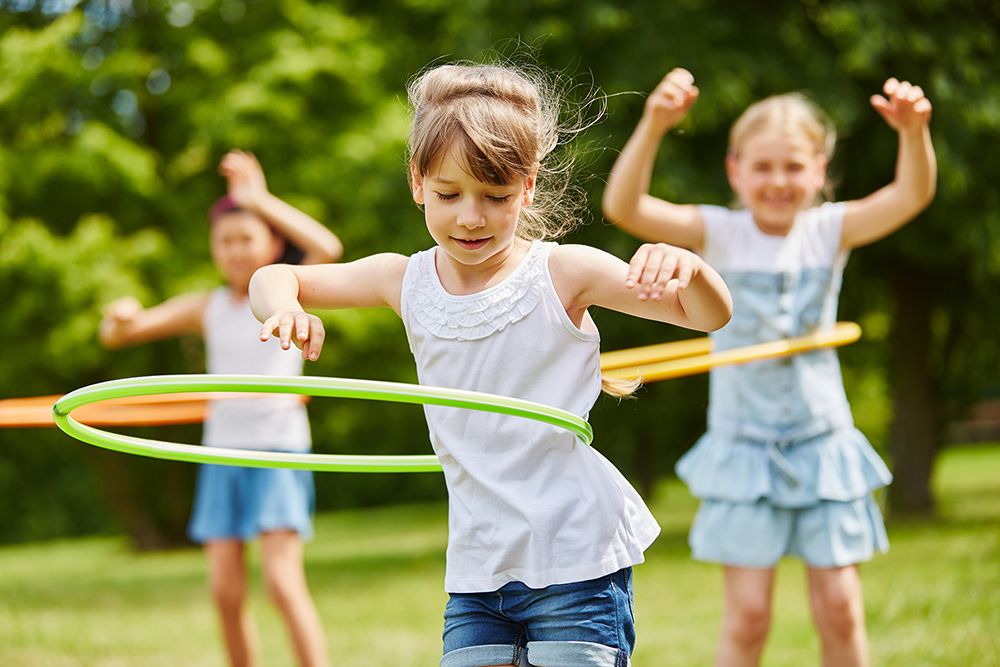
782,469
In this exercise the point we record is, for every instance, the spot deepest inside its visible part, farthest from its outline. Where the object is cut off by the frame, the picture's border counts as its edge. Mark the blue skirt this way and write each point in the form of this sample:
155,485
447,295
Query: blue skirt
241,503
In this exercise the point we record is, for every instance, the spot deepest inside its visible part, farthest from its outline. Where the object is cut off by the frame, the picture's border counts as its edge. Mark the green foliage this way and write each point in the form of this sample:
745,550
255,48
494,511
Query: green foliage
114,115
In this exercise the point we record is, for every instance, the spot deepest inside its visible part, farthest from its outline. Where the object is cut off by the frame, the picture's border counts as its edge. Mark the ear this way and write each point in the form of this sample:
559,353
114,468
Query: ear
732,172
417,187
822,162
528,196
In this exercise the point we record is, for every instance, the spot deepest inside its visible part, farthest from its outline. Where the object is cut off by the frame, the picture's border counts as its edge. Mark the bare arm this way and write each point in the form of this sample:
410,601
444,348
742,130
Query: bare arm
907,111
662,283
280,293
248,188
126,322
627,202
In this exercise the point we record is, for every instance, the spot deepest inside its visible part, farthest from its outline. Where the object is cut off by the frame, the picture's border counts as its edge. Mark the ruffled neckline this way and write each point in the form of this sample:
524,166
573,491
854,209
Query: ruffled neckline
478,315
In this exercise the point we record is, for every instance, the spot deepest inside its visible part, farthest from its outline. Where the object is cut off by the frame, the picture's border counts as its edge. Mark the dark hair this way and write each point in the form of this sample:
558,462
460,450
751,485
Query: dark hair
225,205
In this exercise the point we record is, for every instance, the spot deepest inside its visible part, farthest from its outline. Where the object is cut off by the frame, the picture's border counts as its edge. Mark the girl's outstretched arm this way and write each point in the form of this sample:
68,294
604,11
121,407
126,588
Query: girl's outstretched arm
126,322
908,112
627,202
662,283
248,188
280,294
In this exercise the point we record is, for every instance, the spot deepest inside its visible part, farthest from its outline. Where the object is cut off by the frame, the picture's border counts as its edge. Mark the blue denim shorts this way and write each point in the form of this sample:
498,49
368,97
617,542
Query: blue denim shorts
241,503
580,624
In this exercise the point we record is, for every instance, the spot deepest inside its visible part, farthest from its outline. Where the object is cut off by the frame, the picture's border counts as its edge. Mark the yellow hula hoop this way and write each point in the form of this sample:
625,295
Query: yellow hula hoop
642,364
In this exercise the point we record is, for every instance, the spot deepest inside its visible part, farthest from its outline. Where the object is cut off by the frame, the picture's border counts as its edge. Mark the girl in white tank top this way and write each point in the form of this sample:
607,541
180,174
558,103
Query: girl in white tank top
233,505
534,515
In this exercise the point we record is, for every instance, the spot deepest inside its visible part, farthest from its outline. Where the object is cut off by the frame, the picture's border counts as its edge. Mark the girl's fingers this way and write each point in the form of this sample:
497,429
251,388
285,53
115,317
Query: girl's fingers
650,272
285,332
302,326
266,329
636,265
685,271
890,86
315,342
667,269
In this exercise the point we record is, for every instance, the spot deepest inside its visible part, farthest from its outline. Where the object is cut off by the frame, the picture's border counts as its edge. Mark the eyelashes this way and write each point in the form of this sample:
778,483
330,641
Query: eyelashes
496,199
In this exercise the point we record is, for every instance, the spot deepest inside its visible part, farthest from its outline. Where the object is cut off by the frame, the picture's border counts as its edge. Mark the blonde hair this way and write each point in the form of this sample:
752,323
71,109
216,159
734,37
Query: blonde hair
506,122
790,112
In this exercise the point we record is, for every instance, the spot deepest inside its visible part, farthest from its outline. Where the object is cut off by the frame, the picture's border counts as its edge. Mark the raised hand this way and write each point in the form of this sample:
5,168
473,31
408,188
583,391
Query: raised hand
658,268
244,178
669,102
122,310
904,106
308,329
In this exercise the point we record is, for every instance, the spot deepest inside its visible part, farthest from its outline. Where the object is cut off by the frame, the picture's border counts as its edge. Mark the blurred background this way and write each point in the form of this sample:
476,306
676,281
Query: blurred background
115,113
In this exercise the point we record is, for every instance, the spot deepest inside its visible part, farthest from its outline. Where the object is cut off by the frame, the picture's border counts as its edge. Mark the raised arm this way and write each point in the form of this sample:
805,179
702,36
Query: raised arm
627,202
662,283
248,188
126,322
281,293
908,112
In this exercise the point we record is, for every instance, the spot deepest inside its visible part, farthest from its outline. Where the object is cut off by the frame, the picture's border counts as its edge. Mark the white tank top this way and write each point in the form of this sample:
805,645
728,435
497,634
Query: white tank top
528,502
276,422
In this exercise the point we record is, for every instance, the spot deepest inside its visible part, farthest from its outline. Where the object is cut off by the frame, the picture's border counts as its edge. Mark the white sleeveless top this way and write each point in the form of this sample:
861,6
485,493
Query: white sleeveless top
276,422
528,502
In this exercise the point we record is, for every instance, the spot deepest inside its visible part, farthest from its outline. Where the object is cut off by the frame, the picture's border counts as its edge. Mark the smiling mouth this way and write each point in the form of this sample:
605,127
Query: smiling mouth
472,244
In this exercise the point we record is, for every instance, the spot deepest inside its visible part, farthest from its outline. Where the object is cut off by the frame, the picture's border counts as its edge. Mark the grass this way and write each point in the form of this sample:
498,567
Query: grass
377,579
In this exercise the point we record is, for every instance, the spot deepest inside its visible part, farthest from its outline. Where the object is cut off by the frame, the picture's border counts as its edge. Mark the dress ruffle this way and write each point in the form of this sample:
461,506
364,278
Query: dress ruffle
478,316
839,465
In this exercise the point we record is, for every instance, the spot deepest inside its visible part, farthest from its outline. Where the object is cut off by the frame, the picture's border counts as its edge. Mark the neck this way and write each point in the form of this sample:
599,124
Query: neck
459,278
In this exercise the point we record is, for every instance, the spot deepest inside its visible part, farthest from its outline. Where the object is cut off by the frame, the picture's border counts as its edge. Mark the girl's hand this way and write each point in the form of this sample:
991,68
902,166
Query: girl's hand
308,330
244,178
123,310
658,269
904,107
669,102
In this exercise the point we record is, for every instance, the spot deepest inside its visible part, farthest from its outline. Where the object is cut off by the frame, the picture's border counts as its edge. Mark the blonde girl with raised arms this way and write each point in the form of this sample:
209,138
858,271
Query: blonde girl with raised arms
781,469
250,228
543,531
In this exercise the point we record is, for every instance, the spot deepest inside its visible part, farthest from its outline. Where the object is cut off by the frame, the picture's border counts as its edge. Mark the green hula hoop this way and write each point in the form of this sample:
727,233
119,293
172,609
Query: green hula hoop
311,386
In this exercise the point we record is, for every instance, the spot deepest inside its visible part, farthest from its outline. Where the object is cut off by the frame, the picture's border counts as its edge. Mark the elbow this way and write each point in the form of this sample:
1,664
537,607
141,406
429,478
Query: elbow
719,315
332,251
613,210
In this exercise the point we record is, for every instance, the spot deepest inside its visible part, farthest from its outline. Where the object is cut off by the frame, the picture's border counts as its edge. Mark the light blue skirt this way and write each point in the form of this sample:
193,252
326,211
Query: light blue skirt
241,503
764,499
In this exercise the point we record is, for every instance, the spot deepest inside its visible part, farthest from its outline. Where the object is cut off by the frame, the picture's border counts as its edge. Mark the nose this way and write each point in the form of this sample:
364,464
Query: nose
471,216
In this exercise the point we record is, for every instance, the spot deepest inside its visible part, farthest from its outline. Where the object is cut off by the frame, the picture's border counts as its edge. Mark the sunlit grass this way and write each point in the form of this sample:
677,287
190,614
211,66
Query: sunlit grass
377,578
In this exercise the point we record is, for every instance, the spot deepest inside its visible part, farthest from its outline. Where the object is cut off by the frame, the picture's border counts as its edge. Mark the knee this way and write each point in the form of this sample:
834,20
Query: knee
282,588
228,593
749,623
839,617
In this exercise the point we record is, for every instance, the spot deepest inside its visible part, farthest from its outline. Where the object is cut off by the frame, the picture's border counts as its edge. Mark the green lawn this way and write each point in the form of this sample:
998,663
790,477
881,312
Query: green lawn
377,576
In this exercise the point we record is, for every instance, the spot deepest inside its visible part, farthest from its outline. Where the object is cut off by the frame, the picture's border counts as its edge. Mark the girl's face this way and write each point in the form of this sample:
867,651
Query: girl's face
776,174
242,243
470,220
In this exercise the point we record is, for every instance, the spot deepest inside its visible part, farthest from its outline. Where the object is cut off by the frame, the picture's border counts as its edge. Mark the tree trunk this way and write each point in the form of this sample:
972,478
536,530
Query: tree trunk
916,425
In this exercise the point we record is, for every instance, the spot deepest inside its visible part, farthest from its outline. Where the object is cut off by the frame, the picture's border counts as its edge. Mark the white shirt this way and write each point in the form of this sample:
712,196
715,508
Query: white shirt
276,422
733,242
528,501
